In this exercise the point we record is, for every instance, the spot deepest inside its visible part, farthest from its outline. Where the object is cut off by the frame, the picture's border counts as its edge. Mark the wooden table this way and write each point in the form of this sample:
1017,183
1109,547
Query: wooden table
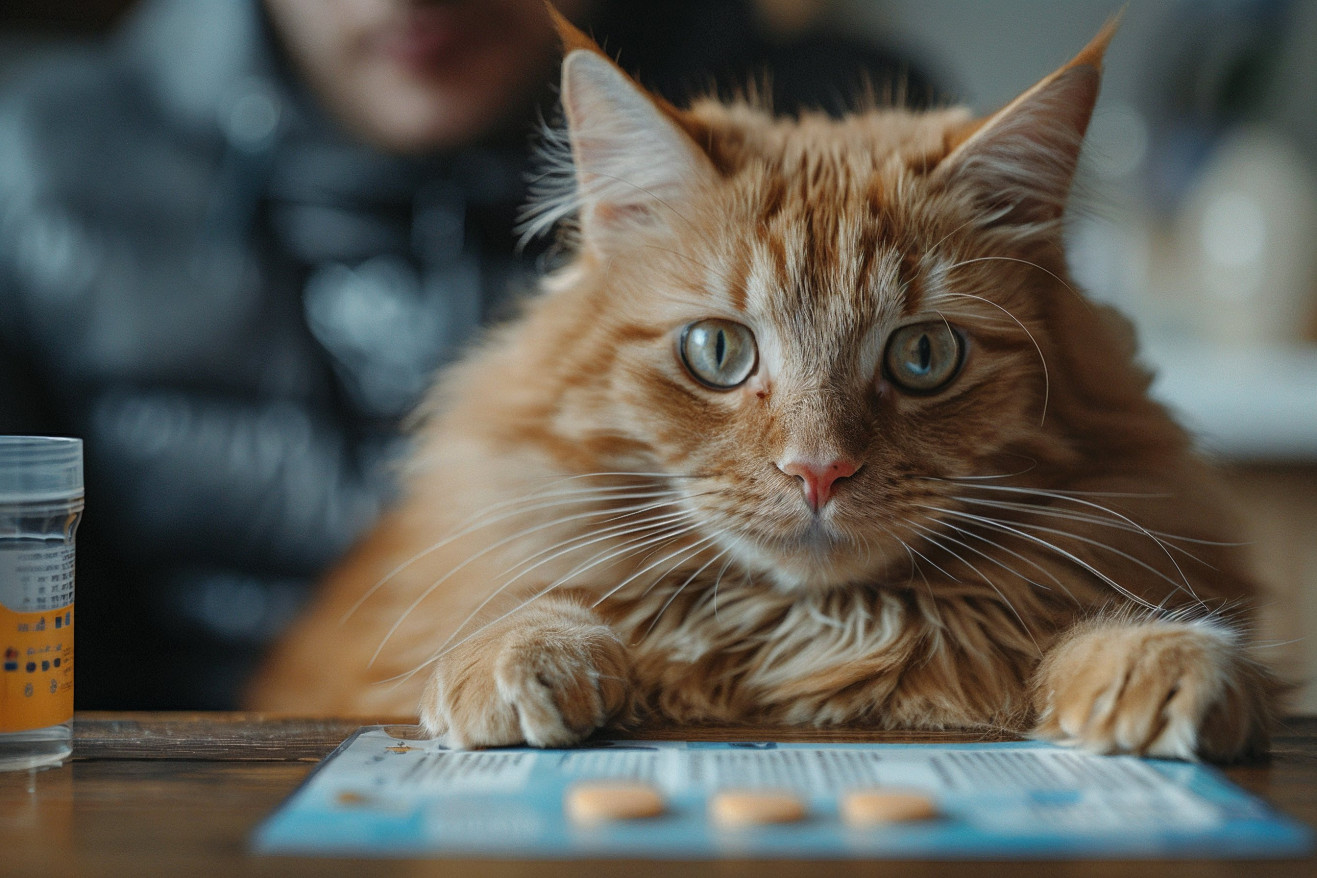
179,794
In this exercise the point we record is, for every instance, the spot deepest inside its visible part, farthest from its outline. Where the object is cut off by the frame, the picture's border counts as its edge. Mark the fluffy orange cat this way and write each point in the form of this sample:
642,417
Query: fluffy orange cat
813,428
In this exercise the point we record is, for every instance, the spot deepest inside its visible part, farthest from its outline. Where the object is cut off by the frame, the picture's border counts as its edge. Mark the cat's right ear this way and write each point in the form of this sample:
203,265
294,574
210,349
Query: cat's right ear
635,164
1021,160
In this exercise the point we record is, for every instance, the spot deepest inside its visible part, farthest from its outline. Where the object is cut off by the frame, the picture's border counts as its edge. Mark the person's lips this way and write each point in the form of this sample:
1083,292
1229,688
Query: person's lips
431,37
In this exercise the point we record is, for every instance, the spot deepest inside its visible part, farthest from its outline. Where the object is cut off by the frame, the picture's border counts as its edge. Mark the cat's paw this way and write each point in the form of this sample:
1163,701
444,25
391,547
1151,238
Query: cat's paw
548,684
1174,689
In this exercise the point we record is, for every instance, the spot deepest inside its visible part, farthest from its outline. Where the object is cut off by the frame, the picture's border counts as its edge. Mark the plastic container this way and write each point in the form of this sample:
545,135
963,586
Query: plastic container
41,499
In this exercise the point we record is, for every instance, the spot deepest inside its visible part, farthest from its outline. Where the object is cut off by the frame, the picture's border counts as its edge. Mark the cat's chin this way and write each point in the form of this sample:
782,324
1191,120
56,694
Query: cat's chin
813,560
800,575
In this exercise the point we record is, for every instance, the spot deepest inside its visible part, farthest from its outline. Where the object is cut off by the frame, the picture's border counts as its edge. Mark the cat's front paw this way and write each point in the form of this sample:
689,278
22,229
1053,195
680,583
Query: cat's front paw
1181,690
547,683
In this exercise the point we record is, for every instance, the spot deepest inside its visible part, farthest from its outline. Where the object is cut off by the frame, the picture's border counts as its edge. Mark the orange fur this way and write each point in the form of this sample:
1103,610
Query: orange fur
592,535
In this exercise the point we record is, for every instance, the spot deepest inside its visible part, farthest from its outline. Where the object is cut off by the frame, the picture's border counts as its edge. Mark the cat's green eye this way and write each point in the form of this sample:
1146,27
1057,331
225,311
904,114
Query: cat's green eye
923,357
718,353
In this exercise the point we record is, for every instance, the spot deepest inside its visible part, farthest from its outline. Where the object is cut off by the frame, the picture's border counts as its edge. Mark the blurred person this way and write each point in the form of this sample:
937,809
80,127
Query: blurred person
237,238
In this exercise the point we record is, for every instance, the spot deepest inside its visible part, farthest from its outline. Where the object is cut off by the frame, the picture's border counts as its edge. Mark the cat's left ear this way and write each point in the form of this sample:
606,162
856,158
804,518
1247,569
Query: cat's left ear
636,163
1021,160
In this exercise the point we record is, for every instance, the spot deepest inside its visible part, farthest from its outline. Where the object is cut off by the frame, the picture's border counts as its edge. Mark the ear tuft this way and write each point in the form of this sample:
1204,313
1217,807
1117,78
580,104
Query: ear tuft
625,160
572,37
635,165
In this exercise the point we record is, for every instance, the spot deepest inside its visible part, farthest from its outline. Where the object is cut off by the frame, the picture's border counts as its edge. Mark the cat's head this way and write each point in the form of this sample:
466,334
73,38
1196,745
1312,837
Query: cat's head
812,324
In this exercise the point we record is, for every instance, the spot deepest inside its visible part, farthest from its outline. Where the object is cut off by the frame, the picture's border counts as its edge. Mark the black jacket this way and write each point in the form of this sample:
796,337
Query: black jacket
234,306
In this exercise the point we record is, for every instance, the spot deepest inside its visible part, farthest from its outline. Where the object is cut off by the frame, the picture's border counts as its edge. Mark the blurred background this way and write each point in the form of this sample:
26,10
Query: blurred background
1195,213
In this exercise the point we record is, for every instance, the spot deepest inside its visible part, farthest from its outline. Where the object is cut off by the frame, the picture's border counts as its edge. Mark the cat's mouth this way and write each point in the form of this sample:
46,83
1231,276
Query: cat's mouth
820,539
815,554
779,539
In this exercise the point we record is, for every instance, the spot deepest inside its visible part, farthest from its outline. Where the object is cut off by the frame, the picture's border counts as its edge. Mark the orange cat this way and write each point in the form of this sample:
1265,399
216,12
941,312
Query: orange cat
813,428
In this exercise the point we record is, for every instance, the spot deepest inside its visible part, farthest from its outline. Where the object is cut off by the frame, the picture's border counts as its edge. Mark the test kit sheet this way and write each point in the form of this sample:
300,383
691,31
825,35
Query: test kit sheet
381,795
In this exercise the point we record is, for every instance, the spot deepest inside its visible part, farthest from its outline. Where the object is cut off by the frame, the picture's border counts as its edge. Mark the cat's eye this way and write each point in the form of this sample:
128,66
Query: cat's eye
924,357
718,353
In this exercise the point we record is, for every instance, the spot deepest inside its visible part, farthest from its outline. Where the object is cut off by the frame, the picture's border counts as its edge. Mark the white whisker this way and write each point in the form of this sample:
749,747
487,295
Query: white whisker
679,589
1097,519
1053,274
929,536
644,539
940,241
1175,584
686,551
717,580
938,567
1047,379
1002,548
492,547
474,523
1050,492
448,646
1070,498
1085,518
997,525
575,543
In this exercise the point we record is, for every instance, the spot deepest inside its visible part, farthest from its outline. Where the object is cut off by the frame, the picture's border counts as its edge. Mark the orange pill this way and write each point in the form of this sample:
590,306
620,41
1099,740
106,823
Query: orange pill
752,807
873,807
605,800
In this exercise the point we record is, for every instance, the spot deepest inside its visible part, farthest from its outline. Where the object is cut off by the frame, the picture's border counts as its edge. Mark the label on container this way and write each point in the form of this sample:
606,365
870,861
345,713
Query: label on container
36,636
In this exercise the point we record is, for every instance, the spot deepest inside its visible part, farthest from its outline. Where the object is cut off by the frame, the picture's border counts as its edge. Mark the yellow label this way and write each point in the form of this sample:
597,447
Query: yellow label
36,678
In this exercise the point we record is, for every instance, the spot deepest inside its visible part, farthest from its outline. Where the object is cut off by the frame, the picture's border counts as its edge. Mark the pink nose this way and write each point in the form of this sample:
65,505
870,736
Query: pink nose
817,479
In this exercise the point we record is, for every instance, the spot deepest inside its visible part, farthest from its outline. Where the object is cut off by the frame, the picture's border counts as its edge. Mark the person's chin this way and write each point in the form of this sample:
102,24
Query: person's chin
425,123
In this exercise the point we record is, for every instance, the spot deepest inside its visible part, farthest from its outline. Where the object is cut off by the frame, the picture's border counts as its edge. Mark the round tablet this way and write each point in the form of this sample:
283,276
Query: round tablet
870,807
601,801
751,807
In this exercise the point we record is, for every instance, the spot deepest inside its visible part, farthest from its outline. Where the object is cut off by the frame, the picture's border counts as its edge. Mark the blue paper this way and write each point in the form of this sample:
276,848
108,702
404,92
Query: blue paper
387,796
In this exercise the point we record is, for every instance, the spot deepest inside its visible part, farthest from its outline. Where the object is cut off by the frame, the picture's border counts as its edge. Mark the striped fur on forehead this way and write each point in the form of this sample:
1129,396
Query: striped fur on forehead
822,308
815,149
810,206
